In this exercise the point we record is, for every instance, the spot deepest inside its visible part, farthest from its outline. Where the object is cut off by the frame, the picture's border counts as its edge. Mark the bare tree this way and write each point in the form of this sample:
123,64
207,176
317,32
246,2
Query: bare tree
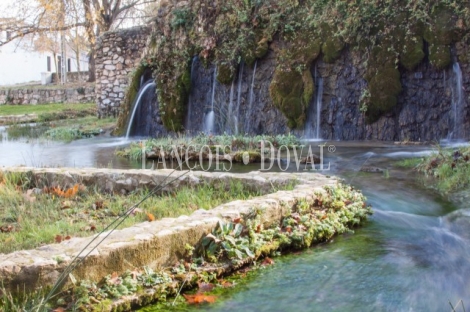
33,17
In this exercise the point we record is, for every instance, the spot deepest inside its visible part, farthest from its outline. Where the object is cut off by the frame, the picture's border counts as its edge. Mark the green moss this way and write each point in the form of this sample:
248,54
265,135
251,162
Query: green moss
439,55
173,108
305,50
291,93
331,49
225,73
463,51
332,44
441,28
262,48
129,99
384,89
292,86
412,53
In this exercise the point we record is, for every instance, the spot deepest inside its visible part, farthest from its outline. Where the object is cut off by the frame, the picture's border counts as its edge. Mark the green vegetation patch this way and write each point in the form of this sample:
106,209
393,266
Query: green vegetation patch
230,246
181,147
61,130
449,169
32,215
48,111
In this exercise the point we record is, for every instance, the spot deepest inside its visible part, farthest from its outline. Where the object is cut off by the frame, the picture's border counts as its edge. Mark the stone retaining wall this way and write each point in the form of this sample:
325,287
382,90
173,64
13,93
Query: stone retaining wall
80,94
72,77
155,244
117,54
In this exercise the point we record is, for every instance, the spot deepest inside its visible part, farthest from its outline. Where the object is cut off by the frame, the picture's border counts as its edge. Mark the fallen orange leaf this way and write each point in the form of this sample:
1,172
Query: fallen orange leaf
67,194
58,238
6,228
150,216
199,298
267,261
59,309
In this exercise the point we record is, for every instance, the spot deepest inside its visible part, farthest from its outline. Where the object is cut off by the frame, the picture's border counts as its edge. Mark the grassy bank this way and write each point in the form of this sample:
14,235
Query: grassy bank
448,170
60,122
43,109
182,146
31,217
231,246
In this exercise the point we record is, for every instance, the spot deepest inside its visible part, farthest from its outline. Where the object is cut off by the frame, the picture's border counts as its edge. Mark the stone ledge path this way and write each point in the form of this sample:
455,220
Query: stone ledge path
155,244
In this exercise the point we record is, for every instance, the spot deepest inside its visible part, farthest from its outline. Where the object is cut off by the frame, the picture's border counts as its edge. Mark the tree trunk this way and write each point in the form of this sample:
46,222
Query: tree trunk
77,56
91,65
90,31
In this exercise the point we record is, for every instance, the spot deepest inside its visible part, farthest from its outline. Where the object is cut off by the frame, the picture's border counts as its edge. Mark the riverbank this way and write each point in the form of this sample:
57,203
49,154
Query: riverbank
58,122
315,210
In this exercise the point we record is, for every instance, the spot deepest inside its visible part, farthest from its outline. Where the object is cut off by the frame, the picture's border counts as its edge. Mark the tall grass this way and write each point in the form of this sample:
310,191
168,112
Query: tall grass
449,169
30,217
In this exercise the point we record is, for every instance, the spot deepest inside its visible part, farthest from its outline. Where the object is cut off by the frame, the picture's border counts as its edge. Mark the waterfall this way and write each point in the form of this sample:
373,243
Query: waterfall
142,91
319,99
228,120
209,120
313,122
457,102
191,96
250,101
239,97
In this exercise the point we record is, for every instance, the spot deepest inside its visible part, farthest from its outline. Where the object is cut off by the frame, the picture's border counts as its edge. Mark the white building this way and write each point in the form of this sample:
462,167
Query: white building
20,63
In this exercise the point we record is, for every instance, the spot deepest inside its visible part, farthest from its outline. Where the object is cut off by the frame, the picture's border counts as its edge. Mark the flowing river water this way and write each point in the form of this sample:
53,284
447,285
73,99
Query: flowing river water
413,254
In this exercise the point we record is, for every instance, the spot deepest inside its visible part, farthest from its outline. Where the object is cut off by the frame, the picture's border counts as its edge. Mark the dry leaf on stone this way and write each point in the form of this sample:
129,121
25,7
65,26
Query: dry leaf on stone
199,298
60,238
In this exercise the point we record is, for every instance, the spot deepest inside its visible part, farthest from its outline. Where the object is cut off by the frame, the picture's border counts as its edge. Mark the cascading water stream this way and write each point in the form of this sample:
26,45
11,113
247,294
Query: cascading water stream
457,102
209,120
191,96
239,97
228,119
150,84
313,123
250,101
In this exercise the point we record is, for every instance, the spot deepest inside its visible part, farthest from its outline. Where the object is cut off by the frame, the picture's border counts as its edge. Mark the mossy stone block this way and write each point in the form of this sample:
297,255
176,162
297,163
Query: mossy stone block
439,55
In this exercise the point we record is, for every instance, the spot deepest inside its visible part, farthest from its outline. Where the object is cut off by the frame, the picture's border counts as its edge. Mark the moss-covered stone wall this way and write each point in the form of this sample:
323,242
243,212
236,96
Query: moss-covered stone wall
394,35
